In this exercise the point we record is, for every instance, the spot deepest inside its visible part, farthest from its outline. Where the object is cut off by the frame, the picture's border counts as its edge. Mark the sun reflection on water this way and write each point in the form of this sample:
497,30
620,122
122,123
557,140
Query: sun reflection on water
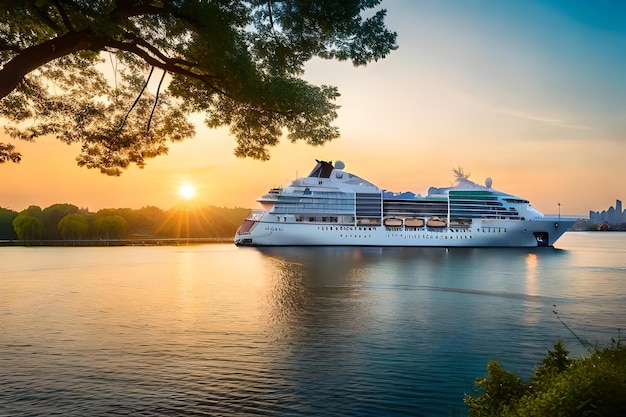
532,261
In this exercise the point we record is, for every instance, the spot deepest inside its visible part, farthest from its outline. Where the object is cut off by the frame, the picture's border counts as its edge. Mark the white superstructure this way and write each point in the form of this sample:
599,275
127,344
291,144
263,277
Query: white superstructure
334,207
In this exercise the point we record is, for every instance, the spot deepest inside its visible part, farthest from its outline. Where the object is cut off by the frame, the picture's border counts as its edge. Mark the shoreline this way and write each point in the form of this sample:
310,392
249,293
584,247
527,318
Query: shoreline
118,242
159,241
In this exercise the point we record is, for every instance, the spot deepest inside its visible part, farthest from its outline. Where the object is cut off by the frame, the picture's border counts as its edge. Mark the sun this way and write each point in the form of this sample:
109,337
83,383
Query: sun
187,191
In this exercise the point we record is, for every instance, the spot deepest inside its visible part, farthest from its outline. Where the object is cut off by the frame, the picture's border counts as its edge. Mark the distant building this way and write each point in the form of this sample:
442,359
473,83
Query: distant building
612,215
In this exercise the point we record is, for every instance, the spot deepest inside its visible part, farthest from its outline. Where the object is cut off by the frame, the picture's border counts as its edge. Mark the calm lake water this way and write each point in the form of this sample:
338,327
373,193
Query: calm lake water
220,330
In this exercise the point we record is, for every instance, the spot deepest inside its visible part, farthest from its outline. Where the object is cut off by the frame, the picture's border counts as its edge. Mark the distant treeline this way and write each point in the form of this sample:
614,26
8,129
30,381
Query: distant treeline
68,222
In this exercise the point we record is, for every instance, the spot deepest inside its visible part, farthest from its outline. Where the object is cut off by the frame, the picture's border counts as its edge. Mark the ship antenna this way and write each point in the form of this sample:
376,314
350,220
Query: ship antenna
460,174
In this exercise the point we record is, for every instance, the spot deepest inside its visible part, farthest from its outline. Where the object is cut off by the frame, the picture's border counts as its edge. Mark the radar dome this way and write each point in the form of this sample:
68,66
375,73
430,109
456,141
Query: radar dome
339,165
488,182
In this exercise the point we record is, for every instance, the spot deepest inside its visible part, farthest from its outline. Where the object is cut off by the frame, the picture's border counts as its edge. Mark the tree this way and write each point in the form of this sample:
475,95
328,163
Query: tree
239,62
6,223
34,211
146,220
51,216
500,390
109,226
73,226
590,386
27,226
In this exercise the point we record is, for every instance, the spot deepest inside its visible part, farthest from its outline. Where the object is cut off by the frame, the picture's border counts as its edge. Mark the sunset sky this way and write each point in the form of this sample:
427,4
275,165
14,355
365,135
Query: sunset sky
529,93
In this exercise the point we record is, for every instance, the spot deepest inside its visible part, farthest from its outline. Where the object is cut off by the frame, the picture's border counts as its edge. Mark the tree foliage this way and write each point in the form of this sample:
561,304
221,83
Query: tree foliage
73,226
500,389
27,226
237,62
185,220
109,225
52,215
594,385
6,224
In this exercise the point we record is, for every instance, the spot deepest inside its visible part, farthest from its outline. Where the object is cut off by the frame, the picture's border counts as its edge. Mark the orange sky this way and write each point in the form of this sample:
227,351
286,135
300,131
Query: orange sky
472,85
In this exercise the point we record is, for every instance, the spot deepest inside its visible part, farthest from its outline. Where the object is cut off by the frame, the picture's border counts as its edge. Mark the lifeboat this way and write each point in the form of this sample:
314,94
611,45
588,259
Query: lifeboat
413,222
393,222
436,222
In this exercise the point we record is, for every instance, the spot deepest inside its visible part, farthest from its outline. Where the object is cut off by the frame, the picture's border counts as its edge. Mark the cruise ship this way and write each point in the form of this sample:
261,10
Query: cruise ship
334,207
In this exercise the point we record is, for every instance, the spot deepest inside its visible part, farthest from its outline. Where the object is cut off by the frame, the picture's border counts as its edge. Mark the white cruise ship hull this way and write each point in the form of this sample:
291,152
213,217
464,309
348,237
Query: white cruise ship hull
482,233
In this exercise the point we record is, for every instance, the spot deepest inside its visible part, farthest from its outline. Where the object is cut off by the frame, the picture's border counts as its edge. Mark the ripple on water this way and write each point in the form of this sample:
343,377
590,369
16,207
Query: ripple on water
217,330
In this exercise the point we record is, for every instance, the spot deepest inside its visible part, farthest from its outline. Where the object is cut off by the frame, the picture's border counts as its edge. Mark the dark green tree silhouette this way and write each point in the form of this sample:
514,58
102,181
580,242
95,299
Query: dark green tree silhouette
6,224
238,62
51,216
35,211
27,226
73,226
109,226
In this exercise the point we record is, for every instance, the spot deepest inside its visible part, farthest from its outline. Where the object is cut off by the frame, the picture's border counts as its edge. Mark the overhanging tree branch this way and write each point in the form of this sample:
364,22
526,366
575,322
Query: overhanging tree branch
66,20
166,64
224,57
36,56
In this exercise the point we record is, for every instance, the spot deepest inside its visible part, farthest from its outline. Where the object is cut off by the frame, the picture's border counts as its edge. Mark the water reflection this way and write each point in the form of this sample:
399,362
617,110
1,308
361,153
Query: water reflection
406,317
221,330
312,289
305,279
531,273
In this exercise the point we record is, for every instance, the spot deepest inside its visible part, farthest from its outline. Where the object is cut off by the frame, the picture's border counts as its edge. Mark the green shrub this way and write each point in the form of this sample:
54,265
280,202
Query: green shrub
593,385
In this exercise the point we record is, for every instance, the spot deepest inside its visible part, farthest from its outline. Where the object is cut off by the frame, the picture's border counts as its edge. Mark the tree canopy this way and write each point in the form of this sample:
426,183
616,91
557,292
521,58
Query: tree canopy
184,220
121,77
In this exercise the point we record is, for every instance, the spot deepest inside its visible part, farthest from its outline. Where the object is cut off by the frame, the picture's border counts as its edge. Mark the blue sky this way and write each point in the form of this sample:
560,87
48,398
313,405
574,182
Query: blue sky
529,93
559,61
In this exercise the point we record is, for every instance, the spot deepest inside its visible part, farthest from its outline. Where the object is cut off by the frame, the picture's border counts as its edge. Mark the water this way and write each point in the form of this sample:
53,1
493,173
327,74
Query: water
219,330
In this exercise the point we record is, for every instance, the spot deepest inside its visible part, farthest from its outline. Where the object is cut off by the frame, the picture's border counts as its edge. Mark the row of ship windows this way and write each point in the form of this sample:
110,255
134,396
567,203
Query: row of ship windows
455,211
330,195
444,237
482,230
349,205
307,209
376,203
431,236
375,200
375,208
492,215
330,219
398,229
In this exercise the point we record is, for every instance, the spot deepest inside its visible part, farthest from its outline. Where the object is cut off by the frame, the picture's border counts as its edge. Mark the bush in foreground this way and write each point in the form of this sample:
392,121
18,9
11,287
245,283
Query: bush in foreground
593,385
